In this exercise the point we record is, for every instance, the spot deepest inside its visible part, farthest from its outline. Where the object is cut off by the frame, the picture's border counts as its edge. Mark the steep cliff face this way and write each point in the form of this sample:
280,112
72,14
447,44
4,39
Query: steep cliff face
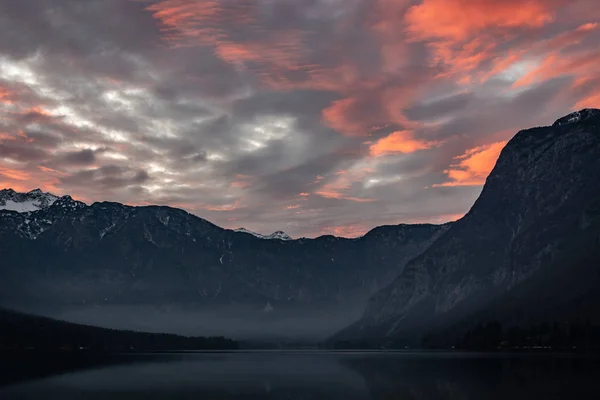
123,263
536,199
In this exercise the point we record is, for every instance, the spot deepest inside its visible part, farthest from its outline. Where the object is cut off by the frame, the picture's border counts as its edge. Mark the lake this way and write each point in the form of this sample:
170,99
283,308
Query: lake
303,375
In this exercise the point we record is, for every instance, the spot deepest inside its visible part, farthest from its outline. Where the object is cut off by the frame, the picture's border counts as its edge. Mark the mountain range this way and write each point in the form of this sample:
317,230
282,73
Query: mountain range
526,253
163,269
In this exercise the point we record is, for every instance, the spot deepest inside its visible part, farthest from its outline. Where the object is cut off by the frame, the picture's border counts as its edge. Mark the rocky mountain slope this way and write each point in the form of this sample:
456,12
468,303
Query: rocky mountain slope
163,269
529,238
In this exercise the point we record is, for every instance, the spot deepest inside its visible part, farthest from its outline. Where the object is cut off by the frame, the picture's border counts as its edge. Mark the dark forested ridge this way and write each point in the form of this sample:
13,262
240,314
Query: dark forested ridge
22,332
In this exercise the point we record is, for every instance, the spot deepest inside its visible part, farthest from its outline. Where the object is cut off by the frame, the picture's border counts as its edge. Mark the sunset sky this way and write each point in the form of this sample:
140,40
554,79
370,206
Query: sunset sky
308,116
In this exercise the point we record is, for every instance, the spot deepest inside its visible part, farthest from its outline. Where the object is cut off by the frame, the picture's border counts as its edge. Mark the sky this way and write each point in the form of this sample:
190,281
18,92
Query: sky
309,116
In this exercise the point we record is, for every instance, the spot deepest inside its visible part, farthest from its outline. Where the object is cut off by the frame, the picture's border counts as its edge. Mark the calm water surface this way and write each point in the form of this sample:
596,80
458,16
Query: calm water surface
304,375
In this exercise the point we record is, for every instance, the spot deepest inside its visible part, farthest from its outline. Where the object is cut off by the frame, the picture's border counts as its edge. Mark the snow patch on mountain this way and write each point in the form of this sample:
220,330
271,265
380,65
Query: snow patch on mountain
577,116
26,206
106,230
275,235
25,202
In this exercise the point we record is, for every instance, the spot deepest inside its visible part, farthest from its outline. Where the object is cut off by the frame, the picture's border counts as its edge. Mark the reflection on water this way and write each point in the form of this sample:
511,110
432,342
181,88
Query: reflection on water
306,375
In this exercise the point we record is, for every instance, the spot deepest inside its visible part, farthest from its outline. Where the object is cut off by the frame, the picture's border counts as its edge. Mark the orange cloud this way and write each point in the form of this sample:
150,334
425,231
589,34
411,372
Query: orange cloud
400,142
336,116
51,171
459,20
243,181
185,22
240,185
13,174
25,180
567,39
6,96
359,114
282,51
333,191
38,111
337,188
480,57
371,108
330,192
436,219
282,59
466,36
474,165
272,56
24,136
349,231
581,65
388,26
5,136
591,101
221,208
19,187
462,58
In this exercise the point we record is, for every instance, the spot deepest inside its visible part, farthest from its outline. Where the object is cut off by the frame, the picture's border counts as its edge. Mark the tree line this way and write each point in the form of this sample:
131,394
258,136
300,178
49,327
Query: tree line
22,332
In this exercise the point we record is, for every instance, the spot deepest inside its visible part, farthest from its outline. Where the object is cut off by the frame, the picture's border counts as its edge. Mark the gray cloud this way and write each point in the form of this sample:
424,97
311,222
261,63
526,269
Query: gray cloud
80,157
21,152
107,177
265,114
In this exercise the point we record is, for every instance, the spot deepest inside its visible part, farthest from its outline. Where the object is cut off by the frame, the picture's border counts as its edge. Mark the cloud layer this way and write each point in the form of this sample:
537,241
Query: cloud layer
309,116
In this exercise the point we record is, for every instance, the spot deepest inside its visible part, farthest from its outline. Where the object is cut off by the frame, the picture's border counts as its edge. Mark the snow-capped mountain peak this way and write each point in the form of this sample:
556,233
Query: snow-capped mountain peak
577,116
275,235
279,235
25,202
